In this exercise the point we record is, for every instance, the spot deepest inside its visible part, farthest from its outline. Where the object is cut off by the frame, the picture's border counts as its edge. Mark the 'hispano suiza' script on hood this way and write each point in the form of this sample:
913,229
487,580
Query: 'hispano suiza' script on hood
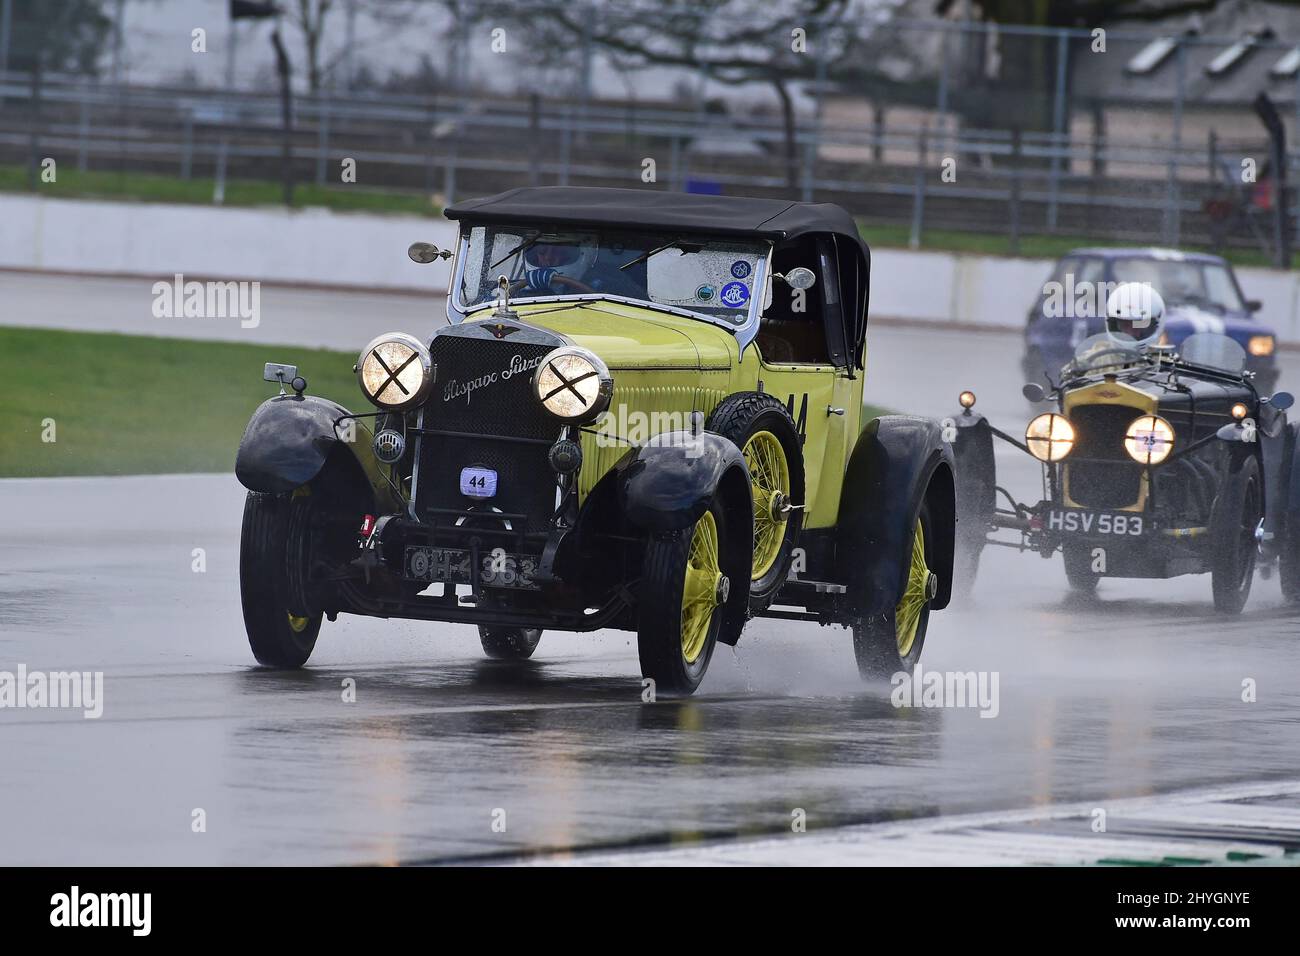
455,388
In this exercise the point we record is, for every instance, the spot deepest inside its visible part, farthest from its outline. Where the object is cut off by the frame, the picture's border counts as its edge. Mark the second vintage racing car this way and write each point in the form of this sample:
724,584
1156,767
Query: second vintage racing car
644,413
1157,461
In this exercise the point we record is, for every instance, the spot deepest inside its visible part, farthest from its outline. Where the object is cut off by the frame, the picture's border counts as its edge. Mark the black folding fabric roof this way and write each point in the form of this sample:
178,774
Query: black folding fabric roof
660,211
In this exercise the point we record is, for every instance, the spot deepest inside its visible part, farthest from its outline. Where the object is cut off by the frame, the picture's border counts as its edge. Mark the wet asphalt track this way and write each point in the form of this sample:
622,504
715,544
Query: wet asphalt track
1137,693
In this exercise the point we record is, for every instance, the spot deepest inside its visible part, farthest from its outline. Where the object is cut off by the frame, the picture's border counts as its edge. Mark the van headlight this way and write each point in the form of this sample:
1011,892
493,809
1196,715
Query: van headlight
1149,439
574,385
1049,437
395,371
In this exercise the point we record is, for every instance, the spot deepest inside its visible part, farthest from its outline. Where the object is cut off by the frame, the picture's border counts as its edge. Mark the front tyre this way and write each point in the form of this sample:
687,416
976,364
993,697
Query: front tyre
509,643
279,634
885,644
1232,537
681,599
1078,569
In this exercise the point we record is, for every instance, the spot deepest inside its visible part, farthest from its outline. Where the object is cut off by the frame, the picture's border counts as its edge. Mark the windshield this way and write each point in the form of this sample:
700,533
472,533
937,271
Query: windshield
713,277
1213,351
1207,285
1109,350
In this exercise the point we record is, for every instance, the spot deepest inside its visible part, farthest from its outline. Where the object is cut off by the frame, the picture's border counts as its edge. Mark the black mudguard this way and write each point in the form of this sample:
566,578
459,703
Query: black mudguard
289,439
976,472
1282,488
899,460
670,481
666,484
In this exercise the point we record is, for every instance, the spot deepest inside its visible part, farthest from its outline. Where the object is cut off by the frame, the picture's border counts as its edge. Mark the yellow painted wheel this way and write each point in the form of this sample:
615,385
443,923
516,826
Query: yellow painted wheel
769,478
887,643
297,624
700,589
907,616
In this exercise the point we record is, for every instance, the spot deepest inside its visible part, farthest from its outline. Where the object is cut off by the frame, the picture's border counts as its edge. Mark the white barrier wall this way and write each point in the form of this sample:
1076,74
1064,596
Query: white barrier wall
313,246
316,246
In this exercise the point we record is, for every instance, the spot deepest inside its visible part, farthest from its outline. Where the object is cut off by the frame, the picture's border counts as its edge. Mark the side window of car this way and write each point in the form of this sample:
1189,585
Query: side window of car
1090,291
1050,294
792,328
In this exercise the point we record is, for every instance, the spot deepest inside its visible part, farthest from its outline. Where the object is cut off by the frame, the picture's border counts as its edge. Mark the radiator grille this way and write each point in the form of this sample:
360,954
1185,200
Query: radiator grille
1111,479
484,389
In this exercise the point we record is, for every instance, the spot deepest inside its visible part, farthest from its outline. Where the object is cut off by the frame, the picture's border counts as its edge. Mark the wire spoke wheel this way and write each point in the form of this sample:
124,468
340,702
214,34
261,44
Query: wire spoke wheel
907,616
891,641
700,589
769,476
682,600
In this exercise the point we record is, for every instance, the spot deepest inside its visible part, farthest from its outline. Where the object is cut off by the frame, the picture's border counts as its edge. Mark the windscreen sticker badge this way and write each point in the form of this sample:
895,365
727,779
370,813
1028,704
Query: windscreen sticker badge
734,295
704,293
740,269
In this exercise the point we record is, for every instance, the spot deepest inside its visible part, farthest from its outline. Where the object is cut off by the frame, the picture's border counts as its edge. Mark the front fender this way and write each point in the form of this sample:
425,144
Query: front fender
288,440
976,472
899,462
669,482
666,484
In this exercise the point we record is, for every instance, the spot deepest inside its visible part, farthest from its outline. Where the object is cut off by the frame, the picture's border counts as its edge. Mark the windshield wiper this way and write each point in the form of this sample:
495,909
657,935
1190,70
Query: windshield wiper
522,247
679,243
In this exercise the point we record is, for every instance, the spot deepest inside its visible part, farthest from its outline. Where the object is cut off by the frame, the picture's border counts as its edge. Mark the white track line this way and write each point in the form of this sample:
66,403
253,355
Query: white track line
966,840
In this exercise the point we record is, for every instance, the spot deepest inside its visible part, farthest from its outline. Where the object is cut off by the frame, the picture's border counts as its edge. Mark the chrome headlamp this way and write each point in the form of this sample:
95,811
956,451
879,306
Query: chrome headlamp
1049,437
1149,439
574,385
395,371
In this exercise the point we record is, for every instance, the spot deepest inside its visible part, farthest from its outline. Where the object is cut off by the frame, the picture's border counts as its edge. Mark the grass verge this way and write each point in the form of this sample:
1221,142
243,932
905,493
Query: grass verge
74,184
140,405
130,405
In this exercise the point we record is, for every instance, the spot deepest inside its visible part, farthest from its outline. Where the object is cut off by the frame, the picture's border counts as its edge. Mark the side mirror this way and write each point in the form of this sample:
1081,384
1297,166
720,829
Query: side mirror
798,278
423,252
1254,305
1034,392
1281,400
275,372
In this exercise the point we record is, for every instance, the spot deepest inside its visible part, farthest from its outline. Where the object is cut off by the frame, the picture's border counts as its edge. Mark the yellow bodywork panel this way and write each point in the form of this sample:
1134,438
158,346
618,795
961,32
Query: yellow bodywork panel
1110,393
666,366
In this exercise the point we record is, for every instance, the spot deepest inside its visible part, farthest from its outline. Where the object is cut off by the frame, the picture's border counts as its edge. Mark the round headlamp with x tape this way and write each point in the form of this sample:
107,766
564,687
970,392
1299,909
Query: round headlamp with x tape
574,385
395,371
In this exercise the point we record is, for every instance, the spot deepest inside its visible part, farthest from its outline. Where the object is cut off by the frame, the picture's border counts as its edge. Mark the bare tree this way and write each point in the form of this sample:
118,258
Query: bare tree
310,17
728,41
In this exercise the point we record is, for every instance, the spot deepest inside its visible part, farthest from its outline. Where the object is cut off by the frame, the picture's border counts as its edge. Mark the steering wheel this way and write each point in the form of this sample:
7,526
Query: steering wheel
1091,359
575,284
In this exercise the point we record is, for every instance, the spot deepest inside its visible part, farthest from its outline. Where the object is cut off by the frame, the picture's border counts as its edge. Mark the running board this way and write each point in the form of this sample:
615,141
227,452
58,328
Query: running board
795,585
789,615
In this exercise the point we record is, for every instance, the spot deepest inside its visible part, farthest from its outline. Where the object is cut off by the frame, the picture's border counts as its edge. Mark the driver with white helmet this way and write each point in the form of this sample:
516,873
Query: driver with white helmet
555,268
1135,310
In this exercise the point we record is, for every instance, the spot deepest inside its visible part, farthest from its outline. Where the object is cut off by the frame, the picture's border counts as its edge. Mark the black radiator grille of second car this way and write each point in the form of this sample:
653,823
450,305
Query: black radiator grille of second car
1108,478
483,388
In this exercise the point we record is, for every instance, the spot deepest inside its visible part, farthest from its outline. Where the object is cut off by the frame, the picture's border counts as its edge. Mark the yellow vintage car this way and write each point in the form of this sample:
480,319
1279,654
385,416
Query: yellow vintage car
644,413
